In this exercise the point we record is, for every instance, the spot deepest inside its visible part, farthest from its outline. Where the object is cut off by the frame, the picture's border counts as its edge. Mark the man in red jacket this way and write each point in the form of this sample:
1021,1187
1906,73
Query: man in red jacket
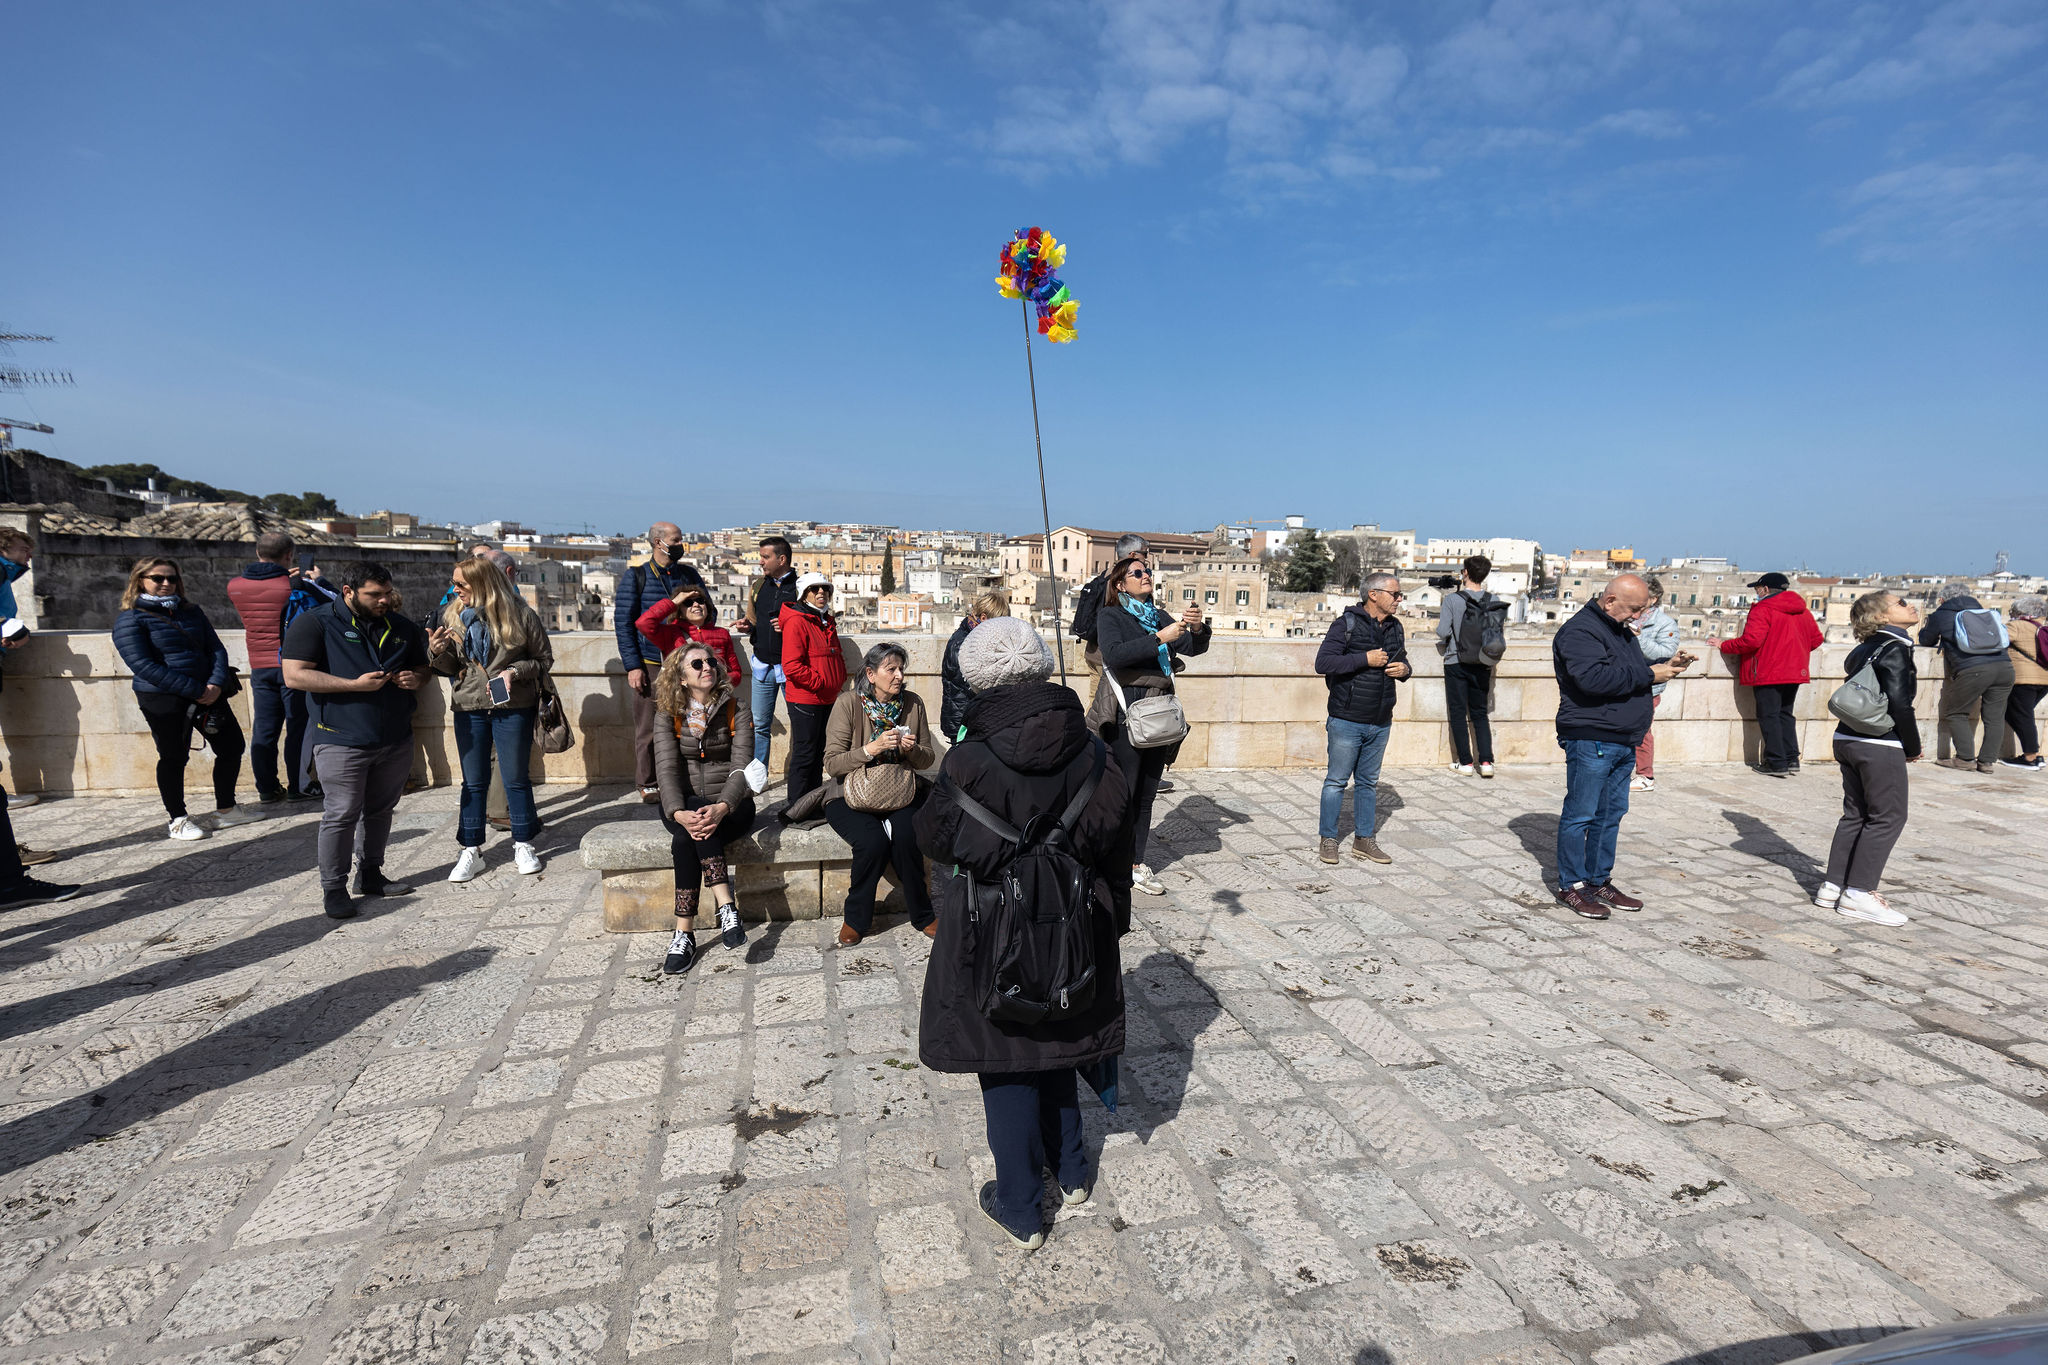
260,596
1777,640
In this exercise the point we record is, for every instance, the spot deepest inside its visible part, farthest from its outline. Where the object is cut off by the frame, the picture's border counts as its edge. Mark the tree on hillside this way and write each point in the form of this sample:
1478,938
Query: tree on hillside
1308,562
1276,569
888,566
302,506
1347,566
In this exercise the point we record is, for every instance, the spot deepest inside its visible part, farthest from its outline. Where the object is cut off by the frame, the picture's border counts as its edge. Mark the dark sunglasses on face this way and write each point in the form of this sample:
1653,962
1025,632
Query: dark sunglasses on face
1137,573
161,578
702,665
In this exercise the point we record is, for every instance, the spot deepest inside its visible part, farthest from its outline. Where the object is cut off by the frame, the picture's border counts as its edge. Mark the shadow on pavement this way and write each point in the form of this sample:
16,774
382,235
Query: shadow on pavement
1759,840
1776,1350
1538,832
1196,825
263,1042
1170,985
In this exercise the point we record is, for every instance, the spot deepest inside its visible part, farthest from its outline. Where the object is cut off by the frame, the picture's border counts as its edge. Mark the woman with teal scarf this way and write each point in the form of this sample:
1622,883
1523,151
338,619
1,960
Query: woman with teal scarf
1140,644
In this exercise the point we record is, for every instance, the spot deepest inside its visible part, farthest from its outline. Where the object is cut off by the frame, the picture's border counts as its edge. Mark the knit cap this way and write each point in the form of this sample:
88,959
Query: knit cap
1001,651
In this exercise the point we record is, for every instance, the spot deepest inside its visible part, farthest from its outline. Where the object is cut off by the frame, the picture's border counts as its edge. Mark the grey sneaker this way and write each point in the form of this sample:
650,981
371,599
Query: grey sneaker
1368,850
1327,850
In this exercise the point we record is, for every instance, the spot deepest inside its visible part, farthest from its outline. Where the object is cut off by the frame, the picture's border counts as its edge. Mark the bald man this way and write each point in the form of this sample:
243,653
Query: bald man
641,587
1603,711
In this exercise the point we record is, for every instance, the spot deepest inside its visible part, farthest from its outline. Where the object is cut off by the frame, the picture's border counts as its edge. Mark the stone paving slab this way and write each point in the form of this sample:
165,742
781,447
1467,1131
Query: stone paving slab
1405,1114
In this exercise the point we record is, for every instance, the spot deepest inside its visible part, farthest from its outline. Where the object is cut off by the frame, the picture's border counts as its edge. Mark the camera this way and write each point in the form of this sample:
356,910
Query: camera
1444,582
204,719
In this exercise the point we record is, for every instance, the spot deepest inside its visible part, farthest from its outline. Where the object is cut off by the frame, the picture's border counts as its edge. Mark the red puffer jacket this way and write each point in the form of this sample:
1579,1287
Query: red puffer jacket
812,666
1777,641
660,624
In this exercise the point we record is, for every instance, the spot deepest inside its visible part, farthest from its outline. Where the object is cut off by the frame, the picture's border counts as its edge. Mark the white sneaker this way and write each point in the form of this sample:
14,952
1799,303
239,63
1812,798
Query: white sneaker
236,815
525,859
1828,895
1869,905
1639,783
468,865
22,800
1142,879
1462,769
184,827
1486,770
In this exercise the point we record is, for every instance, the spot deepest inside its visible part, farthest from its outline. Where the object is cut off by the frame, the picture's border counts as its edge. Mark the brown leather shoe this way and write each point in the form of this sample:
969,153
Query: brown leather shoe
1368,851
1327,850
848,935
1610,894
1578,902
930,930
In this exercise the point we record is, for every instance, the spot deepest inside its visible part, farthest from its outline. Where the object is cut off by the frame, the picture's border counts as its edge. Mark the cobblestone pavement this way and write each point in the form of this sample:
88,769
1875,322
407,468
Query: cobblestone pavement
1372,1115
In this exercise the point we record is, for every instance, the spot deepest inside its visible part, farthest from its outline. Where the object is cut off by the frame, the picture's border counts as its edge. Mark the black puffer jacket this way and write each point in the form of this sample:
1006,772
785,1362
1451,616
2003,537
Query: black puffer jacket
1133,651
954,693
1019,759
1359,692
1898,675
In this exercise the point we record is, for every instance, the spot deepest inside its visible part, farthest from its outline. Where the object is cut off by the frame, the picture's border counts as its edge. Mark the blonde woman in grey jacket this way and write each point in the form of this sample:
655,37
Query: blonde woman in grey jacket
1657,637
496,649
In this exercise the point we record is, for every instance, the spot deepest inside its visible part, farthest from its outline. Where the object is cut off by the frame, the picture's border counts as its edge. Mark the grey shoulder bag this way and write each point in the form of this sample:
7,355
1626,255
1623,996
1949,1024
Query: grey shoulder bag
1150,722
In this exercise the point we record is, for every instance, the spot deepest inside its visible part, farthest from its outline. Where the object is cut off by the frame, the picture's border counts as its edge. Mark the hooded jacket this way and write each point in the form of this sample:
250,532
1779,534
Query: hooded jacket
174,652
1020,758
1892,652
640,587
1940,629
528,656
1603,680
694,773
813,669
1778,639
260,595
1359,692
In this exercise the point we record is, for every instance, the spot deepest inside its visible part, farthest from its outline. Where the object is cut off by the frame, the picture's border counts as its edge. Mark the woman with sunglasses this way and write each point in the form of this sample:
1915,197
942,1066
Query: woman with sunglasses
1141,648
702,744
182,683
689,615
814,671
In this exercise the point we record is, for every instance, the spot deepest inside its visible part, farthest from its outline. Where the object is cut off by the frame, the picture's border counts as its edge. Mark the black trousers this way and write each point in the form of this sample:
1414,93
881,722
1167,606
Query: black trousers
173,734
806,747
2019,716
1873,812
1142,768
690,856
875,848
1465,690
1034,1122
11,870
1776,728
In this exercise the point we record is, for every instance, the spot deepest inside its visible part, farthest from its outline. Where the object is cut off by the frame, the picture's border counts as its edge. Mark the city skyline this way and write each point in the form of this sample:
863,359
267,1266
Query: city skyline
1710,280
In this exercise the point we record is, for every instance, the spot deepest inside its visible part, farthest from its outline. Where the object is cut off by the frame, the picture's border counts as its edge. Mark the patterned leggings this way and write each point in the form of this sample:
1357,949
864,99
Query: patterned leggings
704,859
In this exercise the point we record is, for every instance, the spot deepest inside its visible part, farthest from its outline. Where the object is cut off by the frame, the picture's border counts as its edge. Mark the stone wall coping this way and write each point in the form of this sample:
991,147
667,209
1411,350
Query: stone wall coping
643,845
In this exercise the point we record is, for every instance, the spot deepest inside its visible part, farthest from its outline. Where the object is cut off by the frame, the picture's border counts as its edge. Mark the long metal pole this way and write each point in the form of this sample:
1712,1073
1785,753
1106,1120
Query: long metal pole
1044,506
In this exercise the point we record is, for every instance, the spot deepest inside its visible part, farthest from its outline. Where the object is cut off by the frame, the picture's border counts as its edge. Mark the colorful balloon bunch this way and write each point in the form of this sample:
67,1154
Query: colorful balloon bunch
1028,262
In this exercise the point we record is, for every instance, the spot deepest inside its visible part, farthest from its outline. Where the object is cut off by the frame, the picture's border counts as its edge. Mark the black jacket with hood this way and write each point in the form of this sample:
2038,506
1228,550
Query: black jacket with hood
1018,760
1898,675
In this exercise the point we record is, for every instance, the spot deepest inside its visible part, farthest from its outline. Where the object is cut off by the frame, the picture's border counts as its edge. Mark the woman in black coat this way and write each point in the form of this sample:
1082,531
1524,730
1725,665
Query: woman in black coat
1027,750
1140,645
1873,764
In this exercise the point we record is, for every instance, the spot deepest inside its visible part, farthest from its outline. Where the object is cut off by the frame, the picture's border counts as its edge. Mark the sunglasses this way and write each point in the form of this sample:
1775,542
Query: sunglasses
161,578
1137,573
701,665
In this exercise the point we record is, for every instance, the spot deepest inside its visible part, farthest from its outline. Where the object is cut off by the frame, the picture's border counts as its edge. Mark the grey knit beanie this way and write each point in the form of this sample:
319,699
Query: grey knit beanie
1001,651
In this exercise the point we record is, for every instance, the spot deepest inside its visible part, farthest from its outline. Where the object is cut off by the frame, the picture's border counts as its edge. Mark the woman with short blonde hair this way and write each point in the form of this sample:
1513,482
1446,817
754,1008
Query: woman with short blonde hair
1873,760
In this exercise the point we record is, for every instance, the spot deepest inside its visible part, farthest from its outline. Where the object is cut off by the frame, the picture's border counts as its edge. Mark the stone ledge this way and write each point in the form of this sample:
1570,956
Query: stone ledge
780,872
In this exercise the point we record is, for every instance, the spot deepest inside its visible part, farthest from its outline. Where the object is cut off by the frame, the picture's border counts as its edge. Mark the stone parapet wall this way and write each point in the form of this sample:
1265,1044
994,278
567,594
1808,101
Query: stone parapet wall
69,723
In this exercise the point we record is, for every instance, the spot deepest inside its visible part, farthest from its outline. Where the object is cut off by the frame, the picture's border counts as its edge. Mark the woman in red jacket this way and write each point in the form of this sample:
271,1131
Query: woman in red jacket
813,671
1777,639
689,615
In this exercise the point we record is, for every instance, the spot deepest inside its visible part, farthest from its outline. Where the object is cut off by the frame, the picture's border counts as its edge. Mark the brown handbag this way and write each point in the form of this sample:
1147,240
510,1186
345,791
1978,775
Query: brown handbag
881,789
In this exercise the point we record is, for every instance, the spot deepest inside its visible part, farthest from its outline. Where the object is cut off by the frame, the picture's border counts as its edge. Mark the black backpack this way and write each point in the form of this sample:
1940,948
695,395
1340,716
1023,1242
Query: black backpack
1034,925
1482,630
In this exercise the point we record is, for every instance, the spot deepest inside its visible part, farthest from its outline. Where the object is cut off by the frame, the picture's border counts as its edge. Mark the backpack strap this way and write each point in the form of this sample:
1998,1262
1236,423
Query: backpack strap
1008,832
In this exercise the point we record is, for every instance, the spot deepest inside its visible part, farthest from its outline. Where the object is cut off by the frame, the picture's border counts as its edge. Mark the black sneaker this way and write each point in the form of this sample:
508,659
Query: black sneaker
29,890
271,798
370,883
988,1211
729,931
1581,902
682,953
338,904
294,794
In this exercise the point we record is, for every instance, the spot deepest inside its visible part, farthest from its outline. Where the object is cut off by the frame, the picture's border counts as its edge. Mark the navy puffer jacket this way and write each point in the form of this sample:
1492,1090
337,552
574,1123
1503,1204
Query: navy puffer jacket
174,652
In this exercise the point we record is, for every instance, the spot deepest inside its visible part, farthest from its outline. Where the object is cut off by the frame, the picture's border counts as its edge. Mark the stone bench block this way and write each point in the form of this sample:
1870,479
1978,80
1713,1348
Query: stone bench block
779,873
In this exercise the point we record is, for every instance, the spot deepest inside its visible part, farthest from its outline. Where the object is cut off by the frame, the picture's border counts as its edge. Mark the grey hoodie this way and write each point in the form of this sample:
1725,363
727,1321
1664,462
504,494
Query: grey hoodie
1447,622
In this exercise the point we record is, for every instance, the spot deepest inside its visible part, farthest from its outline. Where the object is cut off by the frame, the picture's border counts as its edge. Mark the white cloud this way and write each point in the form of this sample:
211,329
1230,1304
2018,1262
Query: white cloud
1659,124
1946,208
1960,41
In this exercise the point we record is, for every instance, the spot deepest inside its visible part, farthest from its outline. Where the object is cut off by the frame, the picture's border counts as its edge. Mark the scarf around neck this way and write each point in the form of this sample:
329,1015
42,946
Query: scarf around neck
476,640
1155,621
883,715
161,601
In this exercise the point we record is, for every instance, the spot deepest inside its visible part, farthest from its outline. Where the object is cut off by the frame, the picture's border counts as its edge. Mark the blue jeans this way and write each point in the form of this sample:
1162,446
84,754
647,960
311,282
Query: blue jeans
1034,1122
266,715
1596,776
764,713
1355,752
511,733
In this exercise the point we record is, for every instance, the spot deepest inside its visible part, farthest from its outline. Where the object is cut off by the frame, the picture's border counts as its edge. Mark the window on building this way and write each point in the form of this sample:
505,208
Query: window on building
1187,594
1240,625
1692,599
1717,599
1210,597
1244,597
1063,563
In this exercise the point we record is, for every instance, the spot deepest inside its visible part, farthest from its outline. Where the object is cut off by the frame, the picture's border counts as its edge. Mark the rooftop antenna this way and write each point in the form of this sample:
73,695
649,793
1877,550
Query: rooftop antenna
2003,557
13,379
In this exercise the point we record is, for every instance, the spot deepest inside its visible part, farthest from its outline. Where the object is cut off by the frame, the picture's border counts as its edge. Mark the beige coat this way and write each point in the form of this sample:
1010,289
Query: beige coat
2026,667
711,771
847,732
528,656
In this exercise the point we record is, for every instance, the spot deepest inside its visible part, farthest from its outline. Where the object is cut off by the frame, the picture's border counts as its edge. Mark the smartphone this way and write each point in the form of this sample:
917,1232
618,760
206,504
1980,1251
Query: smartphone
501,692
305,559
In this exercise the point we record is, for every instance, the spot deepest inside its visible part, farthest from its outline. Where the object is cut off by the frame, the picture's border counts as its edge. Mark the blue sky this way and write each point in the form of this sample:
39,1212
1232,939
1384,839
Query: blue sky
1708,276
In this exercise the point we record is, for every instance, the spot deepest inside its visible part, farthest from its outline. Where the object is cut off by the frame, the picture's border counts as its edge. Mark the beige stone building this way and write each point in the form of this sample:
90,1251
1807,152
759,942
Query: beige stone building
1079,552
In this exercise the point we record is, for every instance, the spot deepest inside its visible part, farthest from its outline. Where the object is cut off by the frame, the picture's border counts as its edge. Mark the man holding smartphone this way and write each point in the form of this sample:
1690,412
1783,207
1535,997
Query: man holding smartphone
361,664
